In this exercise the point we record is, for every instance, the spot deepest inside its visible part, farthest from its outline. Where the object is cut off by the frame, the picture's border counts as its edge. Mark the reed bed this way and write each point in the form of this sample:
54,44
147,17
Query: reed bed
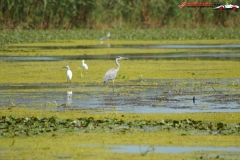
106,14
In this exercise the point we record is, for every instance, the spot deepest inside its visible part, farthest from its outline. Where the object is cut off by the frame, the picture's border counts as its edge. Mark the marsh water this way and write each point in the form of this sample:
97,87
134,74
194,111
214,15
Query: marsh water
139,96
224,152
170,149
231,54
136,96
213,152
154,56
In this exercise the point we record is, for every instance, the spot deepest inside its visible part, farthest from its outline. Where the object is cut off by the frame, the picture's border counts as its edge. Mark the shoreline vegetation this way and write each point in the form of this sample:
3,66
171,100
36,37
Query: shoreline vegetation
105,14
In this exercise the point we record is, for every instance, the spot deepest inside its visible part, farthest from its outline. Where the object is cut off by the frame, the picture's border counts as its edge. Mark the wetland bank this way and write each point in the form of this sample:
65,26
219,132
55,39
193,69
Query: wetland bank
152,105
179,90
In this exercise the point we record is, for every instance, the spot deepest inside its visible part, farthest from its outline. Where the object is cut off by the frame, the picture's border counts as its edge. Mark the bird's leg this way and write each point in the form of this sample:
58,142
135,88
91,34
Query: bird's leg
68,80
113,85
106,87
82,74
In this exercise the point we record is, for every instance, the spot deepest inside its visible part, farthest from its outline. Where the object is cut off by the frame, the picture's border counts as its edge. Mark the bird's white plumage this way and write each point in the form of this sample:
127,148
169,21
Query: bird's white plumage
84,65
69,73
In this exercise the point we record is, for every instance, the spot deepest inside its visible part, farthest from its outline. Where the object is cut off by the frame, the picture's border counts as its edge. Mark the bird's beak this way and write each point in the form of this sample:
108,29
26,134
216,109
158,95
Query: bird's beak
125,58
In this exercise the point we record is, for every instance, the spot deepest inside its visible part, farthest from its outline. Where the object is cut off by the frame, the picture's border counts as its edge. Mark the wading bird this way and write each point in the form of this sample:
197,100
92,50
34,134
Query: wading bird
112,73
106,37
84,65
68,73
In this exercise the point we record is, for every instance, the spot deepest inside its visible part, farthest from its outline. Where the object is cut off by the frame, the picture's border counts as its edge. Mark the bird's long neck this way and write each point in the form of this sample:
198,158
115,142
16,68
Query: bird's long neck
117,65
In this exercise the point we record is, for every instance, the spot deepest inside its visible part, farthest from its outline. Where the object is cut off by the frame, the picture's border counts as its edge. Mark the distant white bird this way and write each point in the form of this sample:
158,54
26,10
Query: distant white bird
84,65
106,37
112,73
68,73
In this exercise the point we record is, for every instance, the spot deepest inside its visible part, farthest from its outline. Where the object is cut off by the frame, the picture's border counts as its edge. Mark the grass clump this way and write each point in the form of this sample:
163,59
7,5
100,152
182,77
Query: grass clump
12,126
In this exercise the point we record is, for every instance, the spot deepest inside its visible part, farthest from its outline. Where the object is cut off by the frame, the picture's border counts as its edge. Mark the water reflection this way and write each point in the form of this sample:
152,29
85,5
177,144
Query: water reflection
69,98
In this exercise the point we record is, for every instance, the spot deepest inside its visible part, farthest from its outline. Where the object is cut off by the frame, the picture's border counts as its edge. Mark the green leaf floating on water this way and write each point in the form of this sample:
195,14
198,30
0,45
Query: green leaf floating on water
11,126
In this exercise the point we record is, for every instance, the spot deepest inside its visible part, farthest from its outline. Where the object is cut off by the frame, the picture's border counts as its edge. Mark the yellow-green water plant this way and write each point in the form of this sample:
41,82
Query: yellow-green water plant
52,72
228,118
78,146
94,47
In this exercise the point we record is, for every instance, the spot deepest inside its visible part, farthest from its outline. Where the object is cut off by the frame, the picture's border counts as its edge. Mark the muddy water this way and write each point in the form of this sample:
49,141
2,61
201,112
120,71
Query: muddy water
153,96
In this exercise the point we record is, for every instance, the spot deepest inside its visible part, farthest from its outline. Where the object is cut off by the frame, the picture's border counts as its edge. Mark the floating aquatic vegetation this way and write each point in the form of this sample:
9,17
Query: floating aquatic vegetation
29,126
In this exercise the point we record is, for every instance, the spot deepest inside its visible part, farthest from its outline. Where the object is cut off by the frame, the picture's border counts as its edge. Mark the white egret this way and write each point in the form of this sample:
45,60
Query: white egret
68,73
84,65
112,73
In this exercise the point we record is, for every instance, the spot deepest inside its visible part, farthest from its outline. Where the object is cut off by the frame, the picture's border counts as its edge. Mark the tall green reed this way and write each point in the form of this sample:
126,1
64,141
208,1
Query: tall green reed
109,14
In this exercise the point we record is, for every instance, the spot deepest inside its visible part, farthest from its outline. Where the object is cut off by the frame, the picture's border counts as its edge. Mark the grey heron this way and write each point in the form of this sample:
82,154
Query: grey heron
68,73
106,37
112,73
